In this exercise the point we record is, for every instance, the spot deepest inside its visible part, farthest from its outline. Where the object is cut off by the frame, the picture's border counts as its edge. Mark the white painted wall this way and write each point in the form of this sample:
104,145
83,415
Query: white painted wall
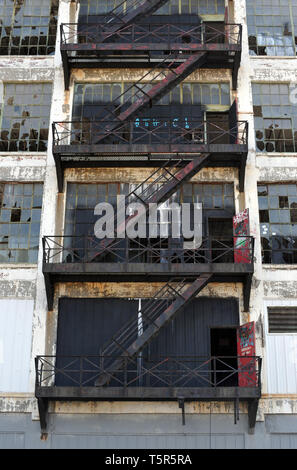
15,344
281,355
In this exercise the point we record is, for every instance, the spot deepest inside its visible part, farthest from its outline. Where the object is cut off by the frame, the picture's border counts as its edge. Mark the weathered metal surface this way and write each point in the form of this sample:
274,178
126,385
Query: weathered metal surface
246,346
138,393
15,344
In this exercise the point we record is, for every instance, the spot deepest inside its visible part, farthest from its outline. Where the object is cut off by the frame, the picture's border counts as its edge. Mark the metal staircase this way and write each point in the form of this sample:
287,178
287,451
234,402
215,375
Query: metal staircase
156,189
129,11
152,86
136,334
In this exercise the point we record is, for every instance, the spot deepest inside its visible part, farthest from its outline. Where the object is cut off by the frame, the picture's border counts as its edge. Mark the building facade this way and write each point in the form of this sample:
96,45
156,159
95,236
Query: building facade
148,342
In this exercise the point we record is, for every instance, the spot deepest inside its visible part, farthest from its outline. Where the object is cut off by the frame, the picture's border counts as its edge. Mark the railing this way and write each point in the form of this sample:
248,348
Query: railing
88,249
168,372
149,131
170,34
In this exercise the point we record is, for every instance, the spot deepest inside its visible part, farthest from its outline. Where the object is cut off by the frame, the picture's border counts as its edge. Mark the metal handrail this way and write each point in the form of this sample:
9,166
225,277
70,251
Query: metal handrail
148,131
88,249
164,371
155,33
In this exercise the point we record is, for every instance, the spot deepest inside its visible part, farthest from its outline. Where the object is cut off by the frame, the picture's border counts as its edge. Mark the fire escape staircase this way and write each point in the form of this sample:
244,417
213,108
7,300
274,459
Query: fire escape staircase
134,10
156,189
148,90
132,338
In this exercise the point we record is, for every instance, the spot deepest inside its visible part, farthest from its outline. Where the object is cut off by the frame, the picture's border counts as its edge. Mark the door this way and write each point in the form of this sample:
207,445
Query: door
224,352
246,346
217,128
220,236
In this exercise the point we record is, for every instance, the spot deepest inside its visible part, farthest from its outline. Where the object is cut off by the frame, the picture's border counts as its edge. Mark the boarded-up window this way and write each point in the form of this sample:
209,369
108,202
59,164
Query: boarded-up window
15,344
282,319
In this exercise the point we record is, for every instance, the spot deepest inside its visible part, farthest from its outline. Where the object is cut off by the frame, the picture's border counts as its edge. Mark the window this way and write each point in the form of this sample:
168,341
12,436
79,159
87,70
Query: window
197,7
282,319
275,118
88,97
212,196
278,222
82,199
271,27
25,117
201,7
28,27
20,212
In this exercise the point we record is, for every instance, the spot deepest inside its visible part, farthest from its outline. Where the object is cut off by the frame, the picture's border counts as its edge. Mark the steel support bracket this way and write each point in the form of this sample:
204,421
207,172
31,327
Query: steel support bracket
247,285
49,288
43,414
252,414
181,404
236,410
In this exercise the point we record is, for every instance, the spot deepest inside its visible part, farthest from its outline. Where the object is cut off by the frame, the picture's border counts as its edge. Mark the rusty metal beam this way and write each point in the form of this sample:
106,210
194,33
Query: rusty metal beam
146,393
161,47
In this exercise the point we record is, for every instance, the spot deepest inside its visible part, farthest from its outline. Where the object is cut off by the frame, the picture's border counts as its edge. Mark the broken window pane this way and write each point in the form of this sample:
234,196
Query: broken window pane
28,27
19,223
271,27
25,117
278,223
275,132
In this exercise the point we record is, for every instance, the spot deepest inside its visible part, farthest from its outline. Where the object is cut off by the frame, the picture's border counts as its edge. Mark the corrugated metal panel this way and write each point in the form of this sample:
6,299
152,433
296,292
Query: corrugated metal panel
15,344
282,363
136,441
85,325
283,441
12,440
189,332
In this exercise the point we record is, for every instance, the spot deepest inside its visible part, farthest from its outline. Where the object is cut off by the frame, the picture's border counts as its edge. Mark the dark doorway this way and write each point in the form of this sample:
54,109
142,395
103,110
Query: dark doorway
224,345
220,232
218,128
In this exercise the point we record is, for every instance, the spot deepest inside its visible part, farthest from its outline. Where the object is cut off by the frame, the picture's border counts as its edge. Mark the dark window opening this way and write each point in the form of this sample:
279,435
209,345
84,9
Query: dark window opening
15,215
221,240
